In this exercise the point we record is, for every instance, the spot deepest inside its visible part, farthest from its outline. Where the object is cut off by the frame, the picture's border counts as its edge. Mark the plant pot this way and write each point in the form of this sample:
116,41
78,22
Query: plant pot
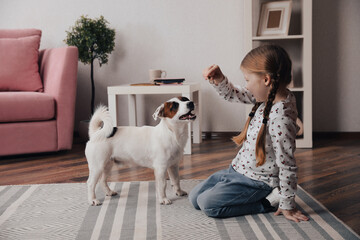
84,130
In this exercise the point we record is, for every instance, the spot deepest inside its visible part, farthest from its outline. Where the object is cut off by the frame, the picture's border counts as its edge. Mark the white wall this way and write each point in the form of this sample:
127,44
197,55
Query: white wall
336,58
181,37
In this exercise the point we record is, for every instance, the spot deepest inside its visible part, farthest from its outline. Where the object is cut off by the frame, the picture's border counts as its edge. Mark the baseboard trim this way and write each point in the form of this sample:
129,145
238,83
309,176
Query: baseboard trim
341,135
316,135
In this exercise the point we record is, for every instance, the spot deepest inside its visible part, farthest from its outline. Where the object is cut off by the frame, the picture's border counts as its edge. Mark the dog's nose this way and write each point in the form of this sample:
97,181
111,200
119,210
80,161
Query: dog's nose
191,106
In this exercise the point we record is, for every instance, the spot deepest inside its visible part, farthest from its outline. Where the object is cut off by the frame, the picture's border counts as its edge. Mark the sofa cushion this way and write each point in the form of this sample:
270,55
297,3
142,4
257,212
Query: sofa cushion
19,64
26,106
28,137
18,33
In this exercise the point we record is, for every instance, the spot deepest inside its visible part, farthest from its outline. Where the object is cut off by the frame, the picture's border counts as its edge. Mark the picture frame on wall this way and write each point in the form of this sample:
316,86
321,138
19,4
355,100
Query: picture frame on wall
274,18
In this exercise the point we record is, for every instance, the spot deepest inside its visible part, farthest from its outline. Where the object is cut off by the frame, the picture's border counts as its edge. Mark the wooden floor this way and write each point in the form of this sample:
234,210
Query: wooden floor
330,171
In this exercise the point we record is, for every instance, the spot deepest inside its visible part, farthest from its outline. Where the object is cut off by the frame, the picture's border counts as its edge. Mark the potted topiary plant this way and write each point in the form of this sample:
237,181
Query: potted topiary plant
94,40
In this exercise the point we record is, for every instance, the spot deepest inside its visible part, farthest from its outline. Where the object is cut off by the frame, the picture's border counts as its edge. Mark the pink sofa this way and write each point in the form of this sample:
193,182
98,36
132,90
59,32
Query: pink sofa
40,117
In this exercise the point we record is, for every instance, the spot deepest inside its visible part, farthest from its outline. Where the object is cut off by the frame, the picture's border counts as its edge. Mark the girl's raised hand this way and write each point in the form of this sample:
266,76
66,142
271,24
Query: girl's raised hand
213,74
293,215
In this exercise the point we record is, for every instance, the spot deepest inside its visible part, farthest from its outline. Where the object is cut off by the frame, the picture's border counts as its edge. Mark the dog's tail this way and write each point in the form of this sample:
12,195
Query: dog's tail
101,125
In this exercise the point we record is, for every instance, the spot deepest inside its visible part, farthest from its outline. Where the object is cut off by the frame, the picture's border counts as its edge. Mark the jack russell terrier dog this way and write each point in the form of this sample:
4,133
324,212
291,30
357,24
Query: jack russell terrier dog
160,148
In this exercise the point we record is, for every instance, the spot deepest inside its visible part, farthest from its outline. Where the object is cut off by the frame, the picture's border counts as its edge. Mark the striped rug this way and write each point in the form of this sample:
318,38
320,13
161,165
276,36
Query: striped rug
61,211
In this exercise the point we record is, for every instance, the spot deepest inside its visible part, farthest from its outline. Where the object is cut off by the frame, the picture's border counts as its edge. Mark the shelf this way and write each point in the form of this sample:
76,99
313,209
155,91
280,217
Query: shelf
265,38
298,44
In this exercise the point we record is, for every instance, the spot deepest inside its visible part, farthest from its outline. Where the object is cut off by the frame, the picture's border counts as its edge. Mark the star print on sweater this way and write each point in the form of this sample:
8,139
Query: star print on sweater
279,169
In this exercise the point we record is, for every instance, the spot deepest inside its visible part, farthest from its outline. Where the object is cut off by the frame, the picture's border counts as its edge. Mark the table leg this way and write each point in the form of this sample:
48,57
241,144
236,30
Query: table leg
187,149
132,109
197,123
112,101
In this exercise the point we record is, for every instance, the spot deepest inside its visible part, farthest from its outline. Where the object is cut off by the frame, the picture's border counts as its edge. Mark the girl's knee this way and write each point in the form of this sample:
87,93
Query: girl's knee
213,212
211,206
205,201
193,199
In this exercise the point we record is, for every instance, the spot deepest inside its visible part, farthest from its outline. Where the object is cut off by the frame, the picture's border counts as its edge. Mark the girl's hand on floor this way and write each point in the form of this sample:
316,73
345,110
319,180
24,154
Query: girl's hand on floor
293,215
213,74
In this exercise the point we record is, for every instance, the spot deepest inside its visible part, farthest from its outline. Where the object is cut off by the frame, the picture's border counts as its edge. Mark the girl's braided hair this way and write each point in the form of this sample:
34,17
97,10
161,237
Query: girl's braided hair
271,60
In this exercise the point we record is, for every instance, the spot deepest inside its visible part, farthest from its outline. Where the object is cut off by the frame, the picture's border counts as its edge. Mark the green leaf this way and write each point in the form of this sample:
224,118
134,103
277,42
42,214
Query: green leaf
93,38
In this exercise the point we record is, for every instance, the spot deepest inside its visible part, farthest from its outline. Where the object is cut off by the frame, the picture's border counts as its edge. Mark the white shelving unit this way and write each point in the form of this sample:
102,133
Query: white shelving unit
298,43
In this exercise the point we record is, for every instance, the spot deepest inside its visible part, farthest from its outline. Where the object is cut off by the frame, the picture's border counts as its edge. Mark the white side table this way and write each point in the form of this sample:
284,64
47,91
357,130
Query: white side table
190,90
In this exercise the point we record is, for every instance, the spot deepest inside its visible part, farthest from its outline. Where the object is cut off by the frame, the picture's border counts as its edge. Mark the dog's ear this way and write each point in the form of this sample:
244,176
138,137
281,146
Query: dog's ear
183,99
159,112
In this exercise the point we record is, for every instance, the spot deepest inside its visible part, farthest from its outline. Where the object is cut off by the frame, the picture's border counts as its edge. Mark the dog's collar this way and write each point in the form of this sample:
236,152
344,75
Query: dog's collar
113,132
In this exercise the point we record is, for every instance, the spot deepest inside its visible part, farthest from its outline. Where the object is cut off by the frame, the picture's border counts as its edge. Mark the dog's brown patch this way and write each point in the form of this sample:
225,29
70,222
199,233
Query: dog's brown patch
170,109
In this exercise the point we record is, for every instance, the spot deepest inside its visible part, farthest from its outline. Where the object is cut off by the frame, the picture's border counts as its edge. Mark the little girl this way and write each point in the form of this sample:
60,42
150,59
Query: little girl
263,174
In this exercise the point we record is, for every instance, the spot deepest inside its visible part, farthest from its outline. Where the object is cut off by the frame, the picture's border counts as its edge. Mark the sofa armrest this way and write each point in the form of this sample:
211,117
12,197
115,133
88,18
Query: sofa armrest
58,71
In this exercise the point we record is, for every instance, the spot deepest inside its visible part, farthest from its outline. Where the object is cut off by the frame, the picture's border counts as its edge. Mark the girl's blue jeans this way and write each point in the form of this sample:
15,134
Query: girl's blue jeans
228,193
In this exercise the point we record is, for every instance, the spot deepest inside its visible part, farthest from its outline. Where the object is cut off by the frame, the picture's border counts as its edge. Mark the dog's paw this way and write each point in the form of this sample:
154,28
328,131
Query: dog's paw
165,201
111,193
181,193
95,202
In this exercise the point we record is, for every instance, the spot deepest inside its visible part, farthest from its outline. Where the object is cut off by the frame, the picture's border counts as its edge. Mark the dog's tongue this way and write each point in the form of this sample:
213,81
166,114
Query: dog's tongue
191,115
188,116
